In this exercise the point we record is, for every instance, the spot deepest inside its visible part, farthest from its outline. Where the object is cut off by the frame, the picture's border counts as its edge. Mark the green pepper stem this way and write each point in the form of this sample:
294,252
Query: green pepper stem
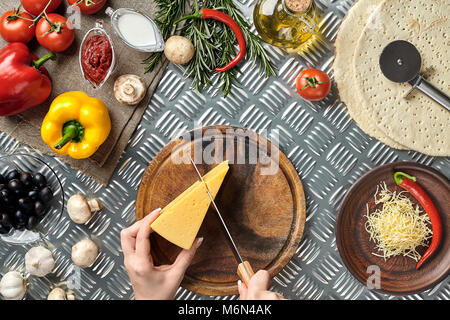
38,63
399,176
195,15
70,132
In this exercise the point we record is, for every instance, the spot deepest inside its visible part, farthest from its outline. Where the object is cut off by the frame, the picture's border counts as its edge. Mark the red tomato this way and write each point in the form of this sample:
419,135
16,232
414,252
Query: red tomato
88,6
313,84
35,7
15,29
56,36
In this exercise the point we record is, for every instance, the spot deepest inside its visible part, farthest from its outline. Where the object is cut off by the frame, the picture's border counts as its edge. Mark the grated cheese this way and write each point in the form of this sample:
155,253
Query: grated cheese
398,227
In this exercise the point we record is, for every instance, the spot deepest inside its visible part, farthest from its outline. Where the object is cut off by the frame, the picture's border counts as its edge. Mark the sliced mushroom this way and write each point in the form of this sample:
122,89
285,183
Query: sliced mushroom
129,89
80,210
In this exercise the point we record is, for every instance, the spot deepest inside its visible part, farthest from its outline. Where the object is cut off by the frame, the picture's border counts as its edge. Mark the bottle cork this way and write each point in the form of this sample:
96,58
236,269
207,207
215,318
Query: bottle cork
298,6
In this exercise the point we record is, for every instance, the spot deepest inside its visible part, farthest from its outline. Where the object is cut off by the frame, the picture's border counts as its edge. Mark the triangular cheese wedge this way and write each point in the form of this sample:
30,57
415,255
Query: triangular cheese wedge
181,219
206,177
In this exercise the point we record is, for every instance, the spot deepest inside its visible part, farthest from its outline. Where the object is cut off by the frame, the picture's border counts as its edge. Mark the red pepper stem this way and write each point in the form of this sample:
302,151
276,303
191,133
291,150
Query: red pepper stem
399,176
38,63
195,15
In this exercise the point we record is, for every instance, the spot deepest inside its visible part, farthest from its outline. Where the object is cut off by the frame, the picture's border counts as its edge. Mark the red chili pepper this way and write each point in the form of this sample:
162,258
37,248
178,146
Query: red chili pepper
24,83
408,183
222,17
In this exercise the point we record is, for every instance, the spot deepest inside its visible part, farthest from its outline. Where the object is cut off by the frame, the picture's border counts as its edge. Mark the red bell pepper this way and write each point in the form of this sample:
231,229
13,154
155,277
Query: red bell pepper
24,83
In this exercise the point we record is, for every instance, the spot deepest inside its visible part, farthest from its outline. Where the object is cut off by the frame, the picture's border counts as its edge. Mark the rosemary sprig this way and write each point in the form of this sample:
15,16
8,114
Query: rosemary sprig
214,44
168,12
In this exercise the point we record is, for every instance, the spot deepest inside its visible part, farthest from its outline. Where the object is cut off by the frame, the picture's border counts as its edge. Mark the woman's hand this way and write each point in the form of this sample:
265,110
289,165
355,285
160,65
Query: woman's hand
151,282
258,288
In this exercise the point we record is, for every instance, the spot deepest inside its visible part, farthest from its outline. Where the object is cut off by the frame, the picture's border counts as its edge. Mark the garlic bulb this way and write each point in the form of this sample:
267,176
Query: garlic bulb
13,286
39,261
84,253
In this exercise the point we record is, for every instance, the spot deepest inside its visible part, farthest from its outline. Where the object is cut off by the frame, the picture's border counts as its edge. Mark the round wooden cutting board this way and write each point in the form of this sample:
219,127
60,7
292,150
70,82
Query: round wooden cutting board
398,275
261,200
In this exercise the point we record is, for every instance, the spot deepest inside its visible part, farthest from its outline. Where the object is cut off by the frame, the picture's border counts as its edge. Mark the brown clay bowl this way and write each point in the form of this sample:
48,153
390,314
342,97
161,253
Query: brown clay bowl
398,275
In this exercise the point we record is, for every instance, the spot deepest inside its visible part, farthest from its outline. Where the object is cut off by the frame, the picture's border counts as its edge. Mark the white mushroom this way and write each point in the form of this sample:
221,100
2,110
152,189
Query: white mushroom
84,253
60,294
39,261
57,294
13,286
179,50
80,210
129,89
71,295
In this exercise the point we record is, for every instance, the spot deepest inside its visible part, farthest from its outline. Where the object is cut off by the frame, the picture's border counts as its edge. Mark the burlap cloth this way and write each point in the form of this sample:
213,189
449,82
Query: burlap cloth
66,76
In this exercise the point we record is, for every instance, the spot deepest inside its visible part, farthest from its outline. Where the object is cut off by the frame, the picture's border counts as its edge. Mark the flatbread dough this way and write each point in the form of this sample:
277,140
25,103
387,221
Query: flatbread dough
345,45
419,123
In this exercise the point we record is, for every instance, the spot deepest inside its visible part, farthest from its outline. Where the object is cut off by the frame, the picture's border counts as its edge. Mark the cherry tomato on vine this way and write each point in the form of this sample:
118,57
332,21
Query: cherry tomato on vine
313,84
88,6
15,28
55,33
35,7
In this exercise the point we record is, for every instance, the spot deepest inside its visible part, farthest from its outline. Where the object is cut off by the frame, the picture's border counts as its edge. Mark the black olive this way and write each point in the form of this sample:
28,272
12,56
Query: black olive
46,195
26,204
11,175
5,220
39,208
4,229
11,210
2,179
7,197
15,185
33,195
32,222
27,179
39,180
20,218
2,186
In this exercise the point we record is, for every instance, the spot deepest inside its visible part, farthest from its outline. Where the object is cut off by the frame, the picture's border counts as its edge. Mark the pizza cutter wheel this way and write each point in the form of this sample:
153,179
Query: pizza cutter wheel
400,61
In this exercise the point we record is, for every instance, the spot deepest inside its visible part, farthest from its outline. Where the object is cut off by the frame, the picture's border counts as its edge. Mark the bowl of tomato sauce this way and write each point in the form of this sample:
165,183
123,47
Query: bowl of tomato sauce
97,57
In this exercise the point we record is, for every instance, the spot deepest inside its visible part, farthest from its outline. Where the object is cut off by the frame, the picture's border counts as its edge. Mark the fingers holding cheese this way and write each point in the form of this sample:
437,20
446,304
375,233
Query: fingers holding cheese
128,238
143,236
185,256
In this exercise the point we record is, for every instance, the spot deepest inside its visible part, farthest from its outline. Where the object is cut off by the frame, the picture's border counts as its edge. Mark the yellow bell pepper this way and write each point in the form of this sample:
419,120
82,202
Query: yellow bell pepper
76,125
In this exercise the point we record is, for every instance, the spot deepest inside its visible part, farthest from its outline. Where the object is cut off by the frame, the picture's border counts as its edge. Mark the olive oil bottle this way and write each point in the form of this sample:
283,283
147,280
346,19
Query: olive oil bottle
290,24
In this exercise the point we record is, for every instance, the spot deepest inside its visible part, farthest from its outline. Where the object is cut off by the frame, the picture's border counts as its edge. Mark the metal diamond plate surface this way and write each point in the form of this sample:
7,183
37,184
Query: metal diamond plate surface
326,147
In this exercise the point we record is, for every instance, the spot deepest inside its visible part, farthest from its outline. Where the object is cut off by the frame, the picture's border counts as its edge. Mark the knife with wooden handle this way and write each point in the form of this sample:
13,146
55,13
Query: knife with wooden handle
244,270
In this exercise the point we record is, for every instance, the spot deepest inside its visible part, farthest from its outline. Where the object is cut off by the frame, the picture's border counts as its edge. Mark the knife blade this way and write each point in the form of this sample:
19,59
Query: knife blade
244,270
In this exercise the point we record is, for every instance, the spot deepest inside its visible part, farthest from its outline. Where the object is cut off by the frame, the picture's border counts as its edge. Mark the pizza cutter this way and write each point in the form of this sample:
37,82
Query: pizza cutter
400,61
